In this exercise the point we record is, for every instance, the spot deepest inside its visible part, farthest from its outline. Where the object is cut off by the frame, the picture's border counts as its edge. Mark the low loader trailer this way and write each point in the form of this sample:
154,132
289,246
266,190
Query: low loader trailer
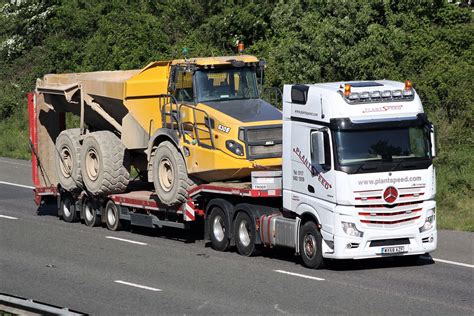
357,181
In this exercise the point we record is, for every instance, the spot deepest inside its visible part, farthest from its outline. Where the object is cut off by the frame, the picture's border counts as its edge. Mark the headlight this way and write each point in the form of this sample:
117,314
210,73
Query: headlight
351,229
235,147
429,221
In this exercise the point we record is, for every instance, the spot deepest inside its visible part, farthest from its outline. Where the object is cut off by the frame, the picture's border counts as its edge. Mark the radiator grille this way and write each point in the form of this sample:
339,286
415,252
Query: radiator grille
264,141
274,150
264,134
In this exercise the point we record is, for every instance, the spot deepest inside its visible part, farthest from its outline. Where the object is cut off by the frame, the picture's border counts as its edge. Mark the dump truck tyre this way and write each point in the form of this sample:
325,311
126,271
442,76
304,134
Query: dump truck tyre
68,161
105,163
169,174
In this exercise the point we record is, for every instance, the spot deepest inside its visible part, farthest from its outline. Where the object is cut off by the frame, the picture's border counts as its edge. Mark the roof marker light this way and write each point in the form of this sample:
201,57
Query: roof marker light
396,93
408,85
347,89
375,95
364,95
386,94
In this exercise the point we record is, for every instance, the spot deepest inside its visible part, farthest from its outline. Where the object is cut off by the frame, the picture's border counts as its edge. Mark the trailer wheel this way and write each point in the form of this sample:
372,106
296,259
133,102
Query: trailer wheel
170,177
68,208
112,216
311,246
105,163
91,218
245,234
68,161
218,230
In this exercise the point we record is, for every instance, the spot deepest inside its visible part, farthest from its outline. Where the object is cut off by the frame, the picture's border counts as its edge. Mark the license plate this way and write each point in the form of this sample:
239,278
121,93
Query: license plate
393,250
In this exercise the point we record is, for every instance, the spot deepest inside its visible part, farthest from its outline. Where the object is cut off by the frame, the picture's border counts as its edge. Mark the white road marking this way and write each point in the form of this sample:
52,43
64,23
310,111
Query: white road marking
17,185
16,163
127,240
8,217
454,262
299,275
280,310
138,285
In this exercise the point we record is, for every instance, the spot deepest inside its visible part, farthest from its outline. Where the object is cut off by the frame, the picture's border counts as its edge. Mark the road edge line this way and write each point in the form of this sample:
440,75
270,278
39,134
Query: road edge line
17,185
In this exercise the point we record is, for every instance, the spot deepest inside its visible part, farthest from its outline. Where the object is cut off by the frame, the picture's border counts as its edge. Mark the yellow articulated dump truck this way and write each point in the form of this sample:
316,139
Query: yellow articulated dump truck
177,122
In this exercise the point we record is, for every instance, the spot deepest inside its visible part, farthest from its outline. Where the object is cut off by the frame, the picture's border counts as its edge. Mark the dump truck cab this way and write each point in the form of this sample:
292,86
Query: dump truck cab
221,110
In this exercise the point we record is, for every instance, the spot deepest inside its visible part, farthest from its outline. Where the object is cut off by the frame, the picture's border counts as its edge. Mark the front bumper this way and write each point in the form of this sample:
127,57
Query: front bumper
342,246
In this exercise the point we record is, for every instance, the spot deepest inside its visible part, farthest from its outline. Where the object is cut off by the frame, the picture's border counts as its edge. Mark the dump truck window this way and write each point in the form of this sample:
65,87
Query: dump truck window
226,84
184,86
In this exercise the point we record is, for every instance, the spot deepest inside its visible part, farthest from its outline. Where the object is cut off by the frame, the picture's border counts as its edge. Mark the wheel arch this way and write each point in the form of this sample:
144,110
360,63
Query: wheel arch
309,213
161,135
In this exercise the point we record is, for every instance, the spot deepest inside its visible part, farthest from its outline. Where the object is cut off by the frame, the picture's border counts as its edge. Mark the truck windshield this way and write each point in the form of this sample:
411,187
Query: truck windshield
226,84
394,144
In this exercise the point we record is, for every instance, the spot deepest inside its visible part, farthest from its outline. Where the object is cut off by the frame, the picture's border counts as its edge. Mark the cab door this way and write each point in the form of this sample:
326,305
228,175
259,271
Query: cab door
321,182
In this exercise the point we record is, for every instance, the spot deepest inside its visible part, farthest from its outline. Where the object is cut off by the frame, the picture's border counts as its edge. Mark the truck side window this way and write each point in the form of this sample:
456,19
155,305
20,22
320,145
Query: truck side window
184,86
320,150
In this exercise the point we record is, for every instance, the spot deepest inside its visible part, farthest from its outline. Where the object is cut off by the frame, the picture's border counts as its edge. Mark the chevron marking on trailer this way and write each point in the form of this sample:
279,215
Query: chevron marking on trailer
189,215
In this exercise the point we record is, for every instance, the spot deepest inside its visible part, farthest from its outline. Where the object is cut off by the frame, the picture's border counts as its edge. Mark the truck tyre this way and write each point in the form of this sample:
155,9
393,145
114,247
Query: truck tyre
218,230
68,208
311,246
170,177
91,216
68,166
105,163
112,216
245,234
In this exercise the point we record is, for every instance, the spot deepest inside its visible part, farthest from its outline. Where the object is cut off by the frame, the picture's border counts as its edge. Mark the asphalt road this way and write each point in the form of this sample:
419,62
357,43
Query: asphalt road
82,268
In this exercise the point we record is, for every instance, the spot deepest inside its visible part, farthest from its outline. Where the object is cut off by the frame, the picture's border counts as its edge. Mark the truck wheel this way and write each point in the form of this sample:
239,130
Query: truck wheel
105,163
218,230
68,167
91,218
112,216
68,208
169,174
310,246
244,234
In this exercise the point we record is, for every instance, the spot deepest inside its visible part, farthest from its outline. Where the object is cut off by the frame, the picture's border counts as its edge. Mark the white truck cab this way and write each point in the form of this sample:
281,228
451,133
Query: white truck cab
357,160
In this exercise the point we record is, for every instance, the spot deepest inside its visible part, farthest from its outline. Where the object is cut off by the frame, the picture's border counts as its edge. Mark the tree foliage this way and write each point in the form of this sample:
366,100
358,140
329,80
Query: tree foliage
428,41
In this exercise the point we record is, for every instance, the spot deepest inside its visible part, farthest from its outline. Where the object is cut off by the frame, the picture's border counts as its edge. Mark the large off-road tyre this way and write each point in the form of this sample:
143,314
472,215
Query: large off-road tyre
68,161
311,246
169,174
105,163
218,230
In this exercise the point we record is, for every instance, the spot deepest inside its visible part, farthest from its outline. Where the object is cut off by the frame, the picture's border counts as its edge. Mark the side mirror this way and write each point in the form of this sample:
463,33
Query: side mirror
433,142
